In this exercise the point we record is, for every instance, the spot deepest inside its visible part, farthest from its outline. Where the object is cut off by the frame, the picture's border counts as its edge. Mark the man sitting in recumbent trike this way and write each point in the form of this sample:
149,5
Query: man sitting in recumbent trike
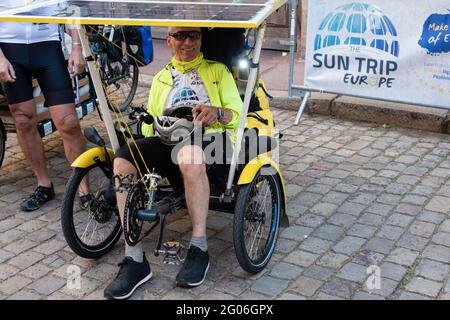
209,85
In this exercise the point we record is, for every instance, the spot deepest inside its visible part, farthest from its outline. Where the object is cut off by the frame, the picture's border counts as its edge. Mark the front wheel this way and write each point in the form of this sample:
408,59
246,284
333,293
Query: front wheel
91,229
256,220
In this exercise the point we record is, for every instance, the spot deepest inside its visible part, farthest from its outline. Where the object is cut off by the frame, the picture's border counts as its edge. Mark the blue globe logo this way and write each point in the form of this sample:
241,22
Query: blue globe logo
184,96
358,24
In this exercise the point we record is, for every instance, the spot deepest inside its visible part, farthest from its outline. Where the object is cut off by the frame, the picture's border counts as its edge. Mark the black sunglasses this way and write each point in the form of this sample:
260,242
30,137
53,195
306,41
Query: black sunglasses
183,35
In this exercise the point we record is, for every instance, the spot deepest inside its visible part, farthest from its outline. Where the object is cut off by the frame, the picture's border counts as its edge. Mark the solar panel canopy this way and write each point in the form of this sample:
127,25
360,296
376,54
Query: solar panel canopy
215,13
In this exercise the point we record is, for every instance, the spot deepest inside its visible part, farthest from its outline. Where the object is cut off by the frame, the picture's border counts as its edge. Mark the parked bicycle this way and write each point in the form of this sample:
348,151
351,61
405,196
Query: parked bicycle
119,70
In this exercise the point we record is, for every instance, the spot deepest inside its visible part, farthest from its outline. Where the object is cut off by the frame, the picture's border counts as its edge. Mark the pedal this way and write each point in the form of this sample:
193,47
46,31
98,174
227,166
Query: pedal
174,252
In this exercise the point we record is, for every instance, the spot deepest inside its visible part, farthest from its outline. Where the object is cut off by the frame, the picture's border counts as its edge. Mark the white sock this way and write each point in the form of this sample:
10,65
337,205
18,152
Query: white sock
136,252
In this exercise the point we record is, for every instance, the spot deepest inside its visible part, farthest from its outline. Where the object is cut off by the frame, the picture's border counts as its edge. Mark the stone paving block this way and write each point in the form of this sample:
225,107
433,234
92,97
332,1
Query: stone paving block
36,271
9,224
353,272
328,232
424,286
14,284
409,209
405,295
333,260
308,199
286,271
399,220
442,238
402,256
26,259
291,296
315,245
367,257
318,272
412,242
324,209
363,198
388,198
380,209
336,198
438,253
296,233
301,258
390,232
422,229
47,285
11,236
25,295
232,285
270,286
5,255
306,286
439,204
351,208
348,245
88,285
339,287
366,296
361,231
7,271
20,246
343,220
392,271
432,270
371,219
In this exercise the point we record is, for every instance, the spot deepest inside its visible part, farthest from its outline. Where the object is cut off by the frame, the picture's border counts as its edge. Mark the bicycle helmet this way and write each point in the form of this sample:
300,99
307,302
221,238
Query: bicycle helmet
175,125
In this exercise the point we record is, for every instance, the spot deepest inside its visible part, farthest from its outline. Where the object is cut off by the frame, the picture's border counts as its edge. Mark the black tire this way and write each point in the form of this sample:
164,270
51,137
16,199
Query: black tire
120,101
247,215
2,142
102,211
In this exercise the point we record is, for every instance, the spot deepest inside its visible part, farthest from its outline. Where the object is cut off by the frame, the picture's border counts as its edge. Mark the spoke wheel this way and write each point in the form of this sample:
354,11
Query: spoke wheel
256,221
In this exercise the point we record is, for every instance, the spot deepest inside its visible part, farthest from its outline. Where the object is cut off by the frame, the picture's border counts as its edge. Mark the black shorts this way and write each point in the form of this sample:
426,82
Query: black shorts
44,61
158,156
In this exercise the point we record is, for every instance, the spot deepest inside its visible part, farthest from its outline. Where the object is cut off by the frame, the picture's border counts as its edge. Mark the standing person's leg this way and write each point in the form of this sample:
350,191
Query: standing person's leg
20,99
54,80
24,116
66,121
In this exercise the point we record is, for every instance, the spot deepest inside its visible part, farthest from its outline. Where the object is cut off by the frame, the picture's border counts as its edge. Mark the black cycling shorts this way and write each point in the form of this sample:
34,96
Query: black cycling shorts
158,156
44,61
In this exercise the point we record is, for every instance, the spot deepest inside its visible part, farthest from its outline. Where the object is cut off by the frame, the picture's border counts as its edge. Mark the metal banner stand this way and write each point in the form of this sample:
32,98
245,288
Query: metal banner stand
295,90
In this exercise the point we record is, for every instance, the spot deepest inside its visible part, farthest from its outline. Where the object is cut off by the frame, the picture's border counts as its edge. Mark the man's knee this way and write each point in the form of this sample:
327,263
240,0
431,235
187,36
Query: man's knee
24,122
123,166
191,160
68,124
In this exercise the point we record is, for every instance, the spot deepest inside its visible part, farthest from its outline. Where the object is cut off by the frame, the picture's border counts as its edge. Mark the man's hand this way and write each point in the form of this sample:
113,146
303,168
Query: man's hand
7,73
76,61
206,115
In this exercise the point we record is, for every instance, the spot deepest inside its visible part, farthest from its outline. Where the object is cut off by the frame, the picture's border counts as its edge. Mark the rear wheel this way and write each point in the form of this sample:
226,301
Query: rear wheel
92,230
256,220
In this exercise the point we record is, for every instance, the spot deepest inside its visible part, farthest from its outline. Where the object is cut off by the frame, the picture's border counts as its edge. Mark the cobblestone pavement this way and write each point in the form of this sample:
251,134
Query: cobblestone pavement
359,196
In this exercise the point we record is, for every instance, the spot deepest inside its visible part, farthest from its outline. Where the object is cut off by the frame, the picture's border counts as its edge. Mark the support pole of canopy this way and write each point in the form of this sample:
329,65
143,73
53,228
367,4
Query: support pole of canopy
248,94
102,102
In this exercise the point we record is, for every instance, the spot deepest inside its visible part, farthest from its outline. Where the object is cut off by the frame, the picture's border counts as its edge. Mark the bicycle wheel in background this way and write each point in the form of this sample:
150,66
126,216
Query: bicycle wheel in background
120,79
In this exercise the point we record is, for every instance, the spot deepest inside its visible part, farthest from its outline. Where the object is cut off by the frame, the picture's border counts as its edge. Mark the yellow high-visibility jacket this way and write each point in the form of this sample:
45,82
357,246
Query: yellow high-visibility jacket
221,89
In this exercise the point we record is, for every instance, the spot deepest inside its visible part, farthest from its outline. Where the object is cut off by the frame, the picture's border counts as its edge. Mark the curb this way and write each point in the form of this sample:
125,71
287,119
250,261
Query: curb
381,112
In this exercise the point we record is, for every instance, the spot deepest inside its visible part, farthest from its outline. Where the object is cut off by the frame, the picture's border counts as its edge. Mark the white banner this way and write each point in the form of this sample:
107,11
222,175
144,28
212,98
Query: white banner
397,50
